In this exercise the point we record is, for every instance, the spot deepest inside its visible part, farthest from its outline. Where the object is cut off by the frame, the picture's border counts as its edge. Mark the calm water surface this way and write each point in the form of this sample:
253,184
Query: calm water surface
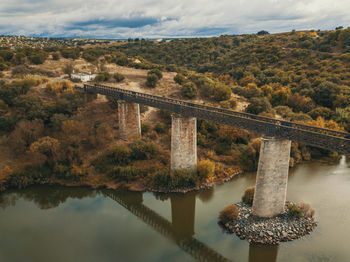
62,224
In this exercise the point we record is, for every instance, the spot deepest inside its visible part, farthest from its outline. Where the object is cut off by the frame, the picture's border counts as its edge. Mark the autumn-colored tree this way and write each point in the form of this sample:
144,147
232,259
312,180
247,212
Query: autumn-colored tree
47,146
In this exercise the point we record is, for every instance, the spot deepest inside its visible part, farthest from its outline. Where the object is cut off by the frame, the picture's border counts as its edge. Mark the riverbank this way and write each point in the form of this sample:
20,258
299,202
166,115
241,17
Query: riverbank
135,186
271,231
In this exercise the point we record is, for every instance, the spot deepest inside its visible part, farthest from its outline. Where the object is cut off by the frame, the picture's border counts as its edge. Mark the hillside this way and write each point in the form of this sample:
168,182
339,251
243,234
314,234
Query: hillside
50,133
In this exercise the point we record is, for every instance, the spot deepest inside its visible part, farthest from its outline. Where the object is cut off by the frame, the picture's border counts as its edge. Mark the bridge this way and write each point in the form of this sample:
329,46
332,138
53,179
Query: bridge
272,175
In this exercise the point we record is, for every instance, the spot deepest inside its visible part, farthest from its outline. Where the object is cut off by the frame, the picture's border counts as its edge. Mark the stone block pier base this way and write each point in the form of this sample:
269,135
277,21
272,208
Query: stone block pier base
183,142
271,180
129,120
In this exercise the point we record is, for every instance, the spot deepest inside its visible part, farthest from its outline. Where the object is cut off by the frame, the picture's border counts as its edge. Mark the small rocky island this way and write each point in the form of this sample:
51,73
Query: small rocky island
296,221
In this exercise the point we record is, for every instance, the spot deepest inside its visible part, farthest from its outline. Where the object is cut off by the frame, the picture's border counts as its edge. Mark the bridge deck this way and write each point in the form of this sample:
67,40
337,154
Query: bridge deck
308,135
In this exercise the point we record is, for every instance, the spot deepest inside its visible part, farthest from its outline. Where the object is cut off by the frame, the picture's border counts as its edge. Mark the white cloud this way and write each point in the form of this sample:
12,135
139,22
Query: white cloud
155,18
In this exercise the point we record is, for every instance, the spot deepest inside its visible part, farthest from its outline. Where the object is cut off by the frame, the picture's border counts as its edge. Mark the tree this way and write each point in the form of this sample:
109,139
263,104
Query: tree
325,93
47,146
258,105
152,80
118,77
68,68
189,90
157,72
262,32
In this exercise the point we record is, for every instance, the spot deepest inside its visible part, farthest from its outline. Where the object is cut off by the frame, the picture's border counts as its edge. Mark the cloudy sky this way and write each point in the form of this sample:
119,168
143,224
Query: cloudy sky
167,18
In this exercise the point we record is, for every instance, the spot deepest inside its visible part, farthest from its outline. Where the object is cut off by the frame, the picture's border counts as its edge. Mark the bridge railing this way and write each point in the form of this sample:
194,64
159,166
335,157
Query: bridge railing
223,110
309,135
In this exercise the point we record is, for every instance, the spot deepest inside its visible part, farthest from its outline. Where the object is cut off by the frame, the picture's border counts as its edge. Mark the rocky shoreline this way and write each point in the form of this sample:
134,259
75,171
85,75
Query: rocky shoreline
270,231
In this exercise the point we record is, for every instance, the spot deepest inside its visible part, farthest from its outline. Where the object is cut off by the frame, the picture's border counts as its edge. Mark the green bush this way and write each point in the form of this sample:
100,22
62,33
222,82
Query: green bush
8,123
221,92
160,128
28,176
142,150
152,80
3,108
118,77
189,90
248,195
229,213
294,210
180,79
174,179
258,105
157,72
145,128
103,76
127,173
116,156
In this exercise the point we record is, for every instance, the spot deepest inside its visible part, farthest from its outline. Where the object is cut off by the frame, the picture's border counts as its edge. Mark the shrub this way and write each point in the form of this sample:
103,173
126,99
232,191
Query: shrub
180,79
189,90
118,77
127,173
229,104
56,56
229,213
3,108
307,210
157,72
160,128
174,179
248,195
152,80
103,76
205,168
117,155
221,92
142,150
258,105
145,128
294,210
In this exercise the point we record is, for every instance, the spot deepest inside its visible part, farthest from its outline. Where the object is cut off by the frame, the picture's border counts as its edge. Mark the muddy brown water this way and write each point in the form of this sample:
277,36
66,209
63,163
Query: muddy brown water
45,223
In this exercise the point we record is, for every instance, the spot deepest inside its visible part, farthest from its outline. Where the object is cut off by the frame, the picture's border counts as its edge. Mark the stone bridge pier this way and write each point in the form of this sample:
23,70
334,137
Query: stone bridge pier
129,120
183,142
272,176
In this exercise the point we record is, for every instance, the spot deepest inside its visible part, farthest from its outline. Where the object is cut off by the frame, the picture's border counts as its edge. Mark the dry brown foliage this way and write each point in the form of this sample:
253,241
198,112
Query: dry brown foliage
229,213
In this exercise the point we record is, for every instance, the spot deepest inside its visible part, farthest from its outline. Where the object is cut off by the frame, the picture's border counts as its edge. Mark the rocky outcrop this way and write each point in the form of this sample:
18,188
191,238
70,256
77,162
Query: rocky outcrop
272,230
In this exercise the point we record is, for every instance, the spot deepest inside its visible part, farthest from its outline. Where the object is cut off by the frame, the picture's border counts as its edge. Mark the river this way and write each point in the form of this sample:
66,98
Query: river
45,223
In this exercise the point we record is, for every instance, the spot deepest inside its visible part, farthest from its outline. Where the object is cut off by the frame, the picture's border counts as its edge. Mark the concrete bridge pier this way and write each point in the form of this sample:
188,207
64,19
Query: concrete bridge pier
129,120
271,179
183,143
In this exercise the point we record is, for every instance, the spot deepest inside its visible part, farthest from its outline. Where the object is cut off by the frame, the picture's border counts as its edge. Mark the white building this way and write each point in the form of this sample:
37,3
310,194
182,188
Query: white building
83,77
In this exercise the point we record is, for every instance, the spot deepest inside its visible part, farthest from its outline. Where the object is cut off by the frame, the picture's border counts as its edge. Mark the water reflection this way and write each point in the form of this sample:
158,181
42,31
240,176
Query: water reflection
180,230
262,253
46,197
125,229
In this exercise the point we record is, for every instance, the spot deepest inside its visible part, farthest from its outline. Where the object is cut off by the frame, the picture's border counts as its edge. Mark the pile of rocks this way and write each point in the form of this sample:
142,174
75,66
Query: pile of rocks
268,230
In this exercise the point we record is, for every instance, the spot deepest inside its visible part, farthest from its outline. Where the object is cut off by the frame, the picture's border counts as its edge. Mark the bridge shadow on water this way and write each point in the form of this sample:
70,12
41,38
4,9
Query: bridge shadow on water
181,228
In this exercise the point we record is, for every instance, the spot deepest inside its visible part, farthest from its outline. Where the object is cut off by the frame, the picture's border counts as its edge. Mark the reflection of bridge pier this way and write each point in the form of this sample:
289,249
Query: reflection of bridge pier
262,253
184,237
183,214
